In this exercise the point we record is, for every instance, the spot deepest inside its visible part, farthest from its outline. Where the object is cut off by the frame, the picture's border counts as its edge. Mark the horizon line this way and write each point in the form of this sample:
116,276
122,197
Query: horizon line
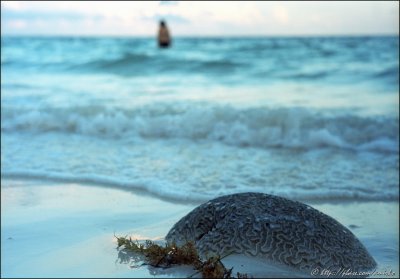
206,35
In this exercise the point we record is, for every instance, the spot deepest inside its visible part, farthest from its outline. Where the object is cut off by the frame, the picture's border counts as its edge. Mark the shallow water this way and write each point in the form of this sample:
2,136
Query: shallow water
306,118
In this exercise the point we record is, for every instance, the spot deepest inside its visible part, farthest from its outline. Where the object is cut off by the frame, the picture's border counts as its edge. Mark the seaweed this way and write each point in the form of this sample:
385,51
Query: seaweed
171,255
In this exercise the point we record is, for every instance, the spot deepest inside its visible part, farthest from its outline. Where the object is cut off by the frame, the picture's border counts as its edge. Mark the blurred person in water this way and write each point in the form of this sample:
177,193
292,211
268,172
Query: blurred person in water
164,39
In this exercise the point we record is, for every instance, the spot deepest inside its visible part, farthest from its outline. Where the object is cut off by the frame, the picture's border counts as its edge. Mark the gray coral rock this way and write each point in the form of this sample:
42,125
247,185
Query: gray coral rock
273,228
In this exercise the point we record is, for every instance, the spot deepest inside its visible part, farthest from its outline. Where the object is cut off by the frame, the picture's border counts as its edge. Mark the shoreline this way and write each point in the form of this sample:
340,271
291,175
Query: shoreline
67,229
153,194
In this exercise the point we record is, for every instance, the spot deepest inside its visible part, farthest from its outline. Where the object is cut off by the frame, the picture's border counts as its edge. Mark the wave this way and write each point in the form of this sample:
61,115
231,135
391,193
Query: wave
245,127
132,64
307,76
389,74
138,64
219,65
153,187
162,190
255,59
124,61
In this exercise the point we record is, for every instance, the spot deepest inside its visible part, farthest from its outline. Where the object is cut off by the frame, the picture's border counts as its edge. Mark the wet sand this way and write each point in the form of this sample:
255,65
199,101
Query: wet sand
53,229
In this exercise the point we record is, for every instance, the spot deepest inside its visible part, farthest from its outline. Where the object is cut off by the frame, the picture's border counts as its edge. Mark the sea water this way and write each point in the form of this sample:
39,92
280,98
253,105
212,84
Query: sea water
307,118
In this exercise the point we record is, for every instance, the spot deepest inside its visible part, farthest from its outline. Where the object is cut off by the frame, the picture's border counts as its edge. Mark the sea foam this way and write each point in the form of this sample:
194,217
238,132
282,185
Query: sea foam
260,127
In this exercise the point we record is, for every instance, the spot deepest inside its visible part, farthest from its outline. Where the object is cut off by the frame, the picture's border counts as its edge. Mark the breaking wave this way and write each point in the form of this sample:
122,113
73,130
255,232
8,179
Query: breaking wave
253,127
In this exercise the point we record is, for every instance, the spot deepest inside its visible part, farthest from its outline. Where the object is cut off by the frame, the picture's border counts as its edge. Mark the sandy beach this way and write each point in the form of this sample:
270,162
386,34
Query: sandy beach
120,118
51,229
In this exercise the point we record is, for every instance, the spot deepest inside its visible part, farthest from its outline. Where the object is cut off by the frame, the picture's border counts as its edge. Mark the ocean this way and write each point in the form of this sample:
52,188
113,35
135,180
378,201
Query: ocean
307,118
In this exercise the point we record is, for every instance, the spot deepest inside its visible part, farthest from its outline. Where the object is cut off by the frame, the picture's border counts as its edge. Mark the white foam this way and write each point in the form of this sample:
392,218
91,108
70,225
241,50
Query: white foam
194,152
324,138
257,127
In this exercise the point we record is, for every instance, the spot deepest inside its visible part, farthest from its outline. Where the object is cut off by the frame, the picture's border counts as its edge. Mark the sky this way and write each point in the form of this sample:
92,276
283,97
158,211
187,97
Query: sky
203,18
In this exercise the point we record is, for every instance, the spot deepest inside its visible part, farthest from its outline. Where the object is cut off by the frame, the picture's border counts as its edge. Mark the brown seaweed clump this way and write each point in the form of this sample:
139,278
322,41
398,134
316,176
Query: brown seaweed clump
171,255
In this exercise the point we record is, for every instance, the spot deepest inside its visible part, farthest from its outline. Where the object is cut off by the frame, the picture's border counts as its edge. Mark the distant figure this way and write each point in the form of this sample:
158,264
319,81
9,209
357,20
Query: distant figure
164,39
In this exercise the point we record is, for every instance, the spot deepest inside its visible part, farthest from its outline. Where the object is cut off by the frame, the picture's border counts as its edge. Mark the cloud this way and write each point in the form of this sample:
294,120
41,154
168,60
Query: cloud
13,15
281,14
17,19
18,24
199,18
175,18
169,3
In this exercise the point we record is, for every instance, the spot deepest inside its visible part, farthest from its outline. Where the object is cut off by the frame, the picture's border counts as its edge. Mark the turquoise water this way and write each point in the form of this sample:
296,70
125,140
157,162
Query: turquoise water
305,118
